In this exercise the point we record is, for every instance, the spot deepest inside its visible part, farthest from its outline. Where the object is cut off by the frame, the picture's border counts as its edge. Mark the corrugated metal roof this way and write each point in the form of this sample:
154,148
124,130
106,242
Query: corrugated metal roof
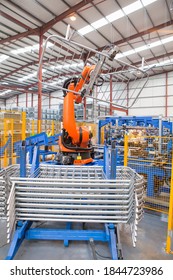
149,24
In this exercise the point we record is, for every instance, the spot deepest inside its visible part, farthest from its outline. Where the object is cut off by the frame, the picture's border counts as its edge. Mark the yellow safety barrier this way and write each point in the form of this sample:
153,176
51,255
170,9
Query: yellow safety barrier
32,127
5,141
14,124
125,150
39,126
23,125
53,128
169,240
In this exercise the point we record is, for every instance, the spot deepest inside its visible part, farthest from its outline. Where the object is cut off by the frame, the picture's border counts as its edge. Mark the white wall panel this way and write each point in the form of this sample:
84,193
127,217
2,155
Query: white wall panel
170,89
11,102
152,99
2,103
147,112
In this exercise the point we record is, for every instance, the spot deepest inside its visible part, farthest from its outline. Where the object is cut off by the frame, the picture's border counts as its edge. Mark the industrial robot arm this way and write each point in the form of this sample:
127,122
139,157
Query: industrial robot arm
74,136
78,139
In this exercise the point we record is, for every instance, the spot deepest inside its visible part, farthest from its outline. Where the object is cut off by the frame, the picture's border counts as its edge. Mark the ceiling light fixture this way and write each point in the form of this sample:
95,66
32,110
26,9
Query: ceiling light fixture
73,17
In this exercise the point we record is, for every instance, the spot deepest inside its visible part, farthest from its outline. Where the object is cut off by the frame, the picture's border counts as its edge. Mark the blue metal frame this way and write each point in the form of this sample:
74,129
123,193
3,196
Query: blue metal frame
38,140
156,171
23,160
35,160
110,161
18,238
25,232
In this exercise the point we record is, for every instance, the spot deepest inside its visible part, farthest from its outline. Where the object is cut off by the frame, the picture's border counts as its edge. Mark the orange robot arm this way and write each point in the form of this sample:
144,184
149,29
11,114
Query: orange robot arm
77,136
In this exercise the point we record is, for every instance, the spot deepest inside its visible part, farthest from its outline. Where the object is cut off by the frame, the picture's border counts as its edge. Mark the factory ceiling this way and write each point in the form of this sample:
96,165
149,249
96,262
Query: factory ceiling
142,30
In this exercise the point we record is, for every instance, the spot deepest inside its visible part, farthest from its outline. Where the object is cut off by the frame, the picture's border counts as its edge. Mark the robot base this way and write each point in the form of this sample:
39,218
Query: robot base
76,158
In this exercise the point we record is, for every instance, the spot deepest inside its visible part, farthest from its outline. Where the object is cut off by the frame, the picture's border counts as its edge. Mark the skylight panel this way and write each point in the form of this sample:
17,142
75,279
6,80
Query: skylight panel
155,44
148,2
27,77
114,16
30,48
160,64
125,53
137,5
30,76
142,48
3,57
85,29
99,23
5,92
167,40
145,47
132,7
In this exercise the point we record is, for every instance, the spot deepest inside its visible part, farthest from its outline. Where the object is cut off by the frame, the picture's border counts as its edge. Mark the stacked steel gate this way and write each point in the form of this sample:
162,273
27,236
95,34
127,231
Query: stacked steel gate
73,194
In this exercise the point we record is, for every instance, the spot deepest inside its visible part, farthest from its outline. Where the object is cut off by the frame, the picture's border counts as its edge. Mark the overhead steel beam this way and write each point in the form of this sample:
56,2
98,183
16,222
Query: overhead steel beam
47,25
17,88
19,69
120,109
60,17
34,63
9,17
156,28
140,34
154,58
20,35
31,85
51,78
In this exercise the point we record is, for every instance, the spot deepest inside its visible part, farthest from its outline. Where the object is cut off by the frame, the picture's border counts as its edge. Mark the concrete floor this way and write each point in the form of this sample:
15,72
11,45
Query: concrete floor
150,244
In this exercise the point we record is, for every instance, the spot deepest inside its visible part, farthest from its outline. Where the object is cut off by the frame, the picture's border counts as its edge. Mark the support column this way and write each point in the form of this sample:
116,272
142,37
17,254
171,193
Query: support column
40,84
17,100
166,96
49,100
26,99
32,100
127,111
110,110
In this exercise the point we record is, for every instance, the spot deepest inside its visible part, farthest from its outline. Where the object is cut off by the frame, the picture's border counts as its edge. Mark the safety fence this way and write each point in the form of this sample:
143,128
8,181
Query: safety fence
152,157
14,127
